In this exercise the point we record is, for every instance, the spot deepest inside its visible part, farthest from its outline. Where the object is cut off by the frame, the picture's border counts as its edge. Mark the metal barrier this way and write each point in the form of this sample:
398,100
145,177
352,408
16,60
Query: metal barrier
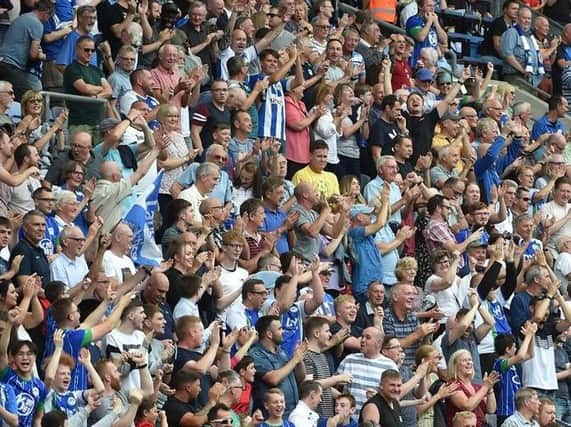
67,97
525,85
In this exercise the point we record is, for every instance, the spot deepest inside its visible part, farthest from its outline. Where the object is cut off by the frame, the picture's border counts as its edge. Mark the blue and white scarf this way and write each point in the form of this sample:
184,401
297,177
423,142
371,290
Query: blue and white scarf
525,42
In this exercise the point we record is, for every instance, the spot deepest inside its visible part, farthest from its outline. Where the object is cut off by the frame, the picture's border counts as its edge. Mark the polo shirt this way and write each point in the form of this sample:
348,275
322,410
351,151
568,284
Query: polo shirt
375,187
35,260
266,361
303,415
397,328
249,54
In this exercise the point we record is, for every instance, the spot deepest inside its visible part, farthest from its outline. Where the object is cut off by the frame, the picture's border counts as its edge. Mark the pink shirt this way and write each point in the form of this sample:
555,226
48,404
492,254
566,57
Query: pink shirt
297,142
168,79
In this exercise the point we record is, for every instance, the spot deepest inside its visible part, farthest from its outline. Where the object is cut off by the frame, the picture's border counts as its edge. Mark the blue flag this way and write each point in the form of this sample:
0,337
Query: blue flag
140,217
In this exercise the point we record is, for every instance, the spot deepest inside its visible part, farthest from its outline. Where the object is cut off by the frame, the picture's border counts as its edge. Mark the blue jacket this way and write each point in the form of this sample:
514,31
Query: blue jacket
489,168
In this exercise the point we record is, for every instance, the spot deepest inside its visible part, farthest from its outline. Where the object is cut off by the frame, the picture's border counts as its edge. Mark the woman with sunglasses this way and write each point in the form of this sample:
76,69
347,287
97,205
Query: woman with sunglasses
45,137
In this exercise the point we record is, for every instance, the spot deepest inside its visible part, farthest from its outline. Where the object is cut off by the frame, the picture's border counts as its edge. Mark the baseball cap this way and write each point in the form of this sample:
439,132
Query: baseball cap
424,75
360,209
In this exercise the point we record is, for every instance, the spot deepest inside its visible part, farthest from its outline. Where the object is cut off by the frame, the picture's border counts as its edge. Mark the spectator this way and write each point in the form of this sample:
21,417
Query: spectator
385,405
21,53
521,52
82,78
367,367
527,405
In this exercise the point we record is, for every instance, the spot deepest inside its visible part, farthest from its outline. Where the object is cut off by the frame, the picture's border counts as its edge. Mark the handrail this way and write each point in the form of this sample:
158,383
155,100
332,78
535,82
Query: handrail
524,84
387,26
47,95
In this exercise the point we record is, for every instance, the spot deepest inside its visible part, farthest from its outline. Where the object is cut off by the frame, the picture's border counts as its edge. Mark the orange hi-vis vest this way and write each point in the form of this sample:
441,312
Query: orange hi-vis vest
385,10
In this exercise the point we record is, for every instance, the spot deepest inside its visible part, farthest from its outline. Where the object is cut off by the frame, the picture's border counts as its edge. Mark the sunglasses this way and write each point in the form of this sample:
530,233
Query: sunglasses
88,49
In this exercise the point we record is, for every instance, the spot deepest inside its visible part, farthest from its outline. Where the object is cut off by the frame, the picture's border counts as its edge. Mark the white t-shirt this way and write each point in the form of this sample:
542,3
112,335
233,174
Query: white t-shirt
448,299
563,268
115,266
232,280
554,210
117,342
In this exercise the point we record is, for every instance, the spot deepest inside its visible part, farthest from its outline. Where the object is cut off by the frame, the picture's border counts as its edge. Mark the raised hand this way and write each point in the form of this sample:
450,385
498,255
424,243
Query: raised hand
84,356
58,338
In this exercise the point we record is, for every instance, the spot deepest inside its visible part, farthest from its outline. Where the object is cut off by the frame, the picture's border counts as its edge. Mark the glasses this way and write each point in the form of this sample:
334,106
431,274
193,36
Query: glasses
36,100
25,354
77,239
80,173
259,292
526,199
224,421
89,49
392,347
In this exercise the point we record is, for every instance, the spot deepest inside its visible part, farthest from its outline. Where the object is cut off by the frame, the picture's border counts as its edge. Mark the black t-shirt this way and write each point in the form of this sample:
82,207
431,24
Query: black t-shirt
497,28
213,117
176,409
382,134
107,16
421,131
182,356
560,11
35,261
356,332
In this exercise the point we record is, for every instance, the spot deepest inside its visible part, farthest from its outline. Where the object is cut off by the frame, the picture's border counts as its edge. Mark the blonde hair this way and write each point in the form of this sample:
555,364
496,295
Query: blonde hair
404,264
342,299
164,111
452,368
460,417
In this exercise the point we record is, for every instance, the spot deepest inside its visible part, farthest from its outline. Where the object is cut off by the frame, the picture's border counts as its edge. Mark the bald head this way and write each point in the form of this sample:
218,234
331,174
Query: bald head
208,204
110,170
157,288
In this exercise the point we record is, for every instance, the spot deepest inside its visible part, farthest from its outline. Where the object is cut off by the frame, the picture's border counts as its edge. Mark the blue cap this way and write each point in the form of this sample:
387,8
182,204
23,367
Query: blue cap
424,75
360,209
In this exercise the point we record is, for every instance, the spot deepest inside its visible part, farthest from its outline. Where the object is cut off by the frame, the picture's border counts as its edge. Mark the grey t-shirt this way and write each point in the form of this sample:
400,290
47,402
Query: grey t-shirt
306,245
15,49
106,407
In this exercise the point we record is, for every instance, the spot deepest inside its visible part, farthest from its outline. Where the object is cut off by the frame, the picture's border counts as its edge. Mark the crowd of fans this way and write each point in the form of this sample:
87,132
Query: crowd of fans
355,229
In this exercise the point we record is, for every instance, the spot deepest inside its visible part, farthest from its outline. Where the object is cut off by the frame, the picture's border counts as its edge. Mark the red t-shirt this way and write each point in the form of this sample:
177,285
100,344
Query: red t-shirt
401,74
243,405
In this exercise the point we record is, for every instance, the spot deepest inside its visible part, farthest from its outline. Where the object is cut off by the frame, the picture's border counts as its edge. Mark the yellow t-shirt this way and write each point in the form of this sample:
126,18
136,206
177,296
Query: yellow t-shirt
324,182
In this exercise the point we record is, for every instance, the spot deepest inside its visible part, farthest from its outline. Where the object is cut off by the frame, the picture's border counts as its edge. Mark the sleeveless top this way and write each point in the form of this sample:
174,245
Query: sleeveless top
388,417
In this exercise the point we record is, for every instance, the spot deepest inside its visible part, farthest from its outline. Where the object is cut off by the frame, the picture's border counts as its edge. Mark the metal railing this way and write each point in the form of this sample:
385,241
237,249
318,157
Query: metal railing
48,96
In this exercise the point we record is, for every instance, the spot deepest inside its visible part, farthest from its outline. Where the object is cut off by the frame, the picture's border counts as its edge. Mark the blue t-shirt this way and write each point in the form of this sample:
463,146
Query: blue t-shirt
367,263
73,340
292,324
413,25
7,401
509,384
30,395
68,402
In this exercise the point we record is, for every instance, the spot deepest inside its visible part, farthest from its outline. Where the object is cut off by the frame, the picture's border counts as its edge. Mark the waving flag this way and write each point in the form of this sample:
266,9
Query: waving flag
140,218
